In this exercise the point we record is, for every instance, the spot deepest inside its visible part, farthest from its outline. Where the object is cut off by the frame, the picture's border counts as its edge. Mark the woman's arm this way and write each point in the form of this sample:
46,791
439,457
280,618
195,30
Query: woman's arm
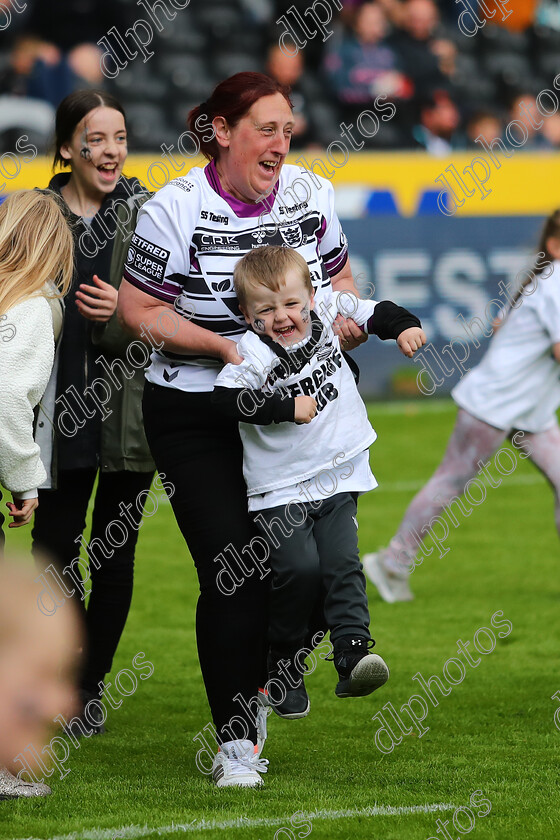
351,335
148,303
158,323
344,280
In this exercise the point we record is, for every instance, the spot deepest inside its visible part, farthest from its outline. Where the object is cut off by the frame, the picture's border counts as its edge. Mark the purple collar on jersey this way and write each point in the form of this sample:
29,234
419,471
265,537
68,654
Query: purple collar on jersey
241,208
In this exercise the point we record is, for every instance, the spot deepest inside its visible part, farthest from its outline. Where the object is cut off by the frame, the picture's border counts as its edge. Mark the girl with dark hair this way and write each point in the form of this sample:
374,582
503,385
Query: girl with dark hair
513,393
80,439
188,240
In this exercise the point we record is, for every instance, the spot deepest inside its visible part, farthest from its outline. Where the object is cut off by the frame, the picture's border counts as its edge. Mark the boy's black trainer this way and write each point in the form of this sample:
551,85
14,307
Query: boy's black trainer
287,695
360,672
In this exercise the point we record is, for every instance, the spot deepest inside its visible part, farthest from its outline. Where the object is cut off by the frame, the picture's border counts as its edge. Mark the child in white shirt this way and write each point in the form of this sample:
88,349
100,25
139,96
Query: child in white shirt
304,428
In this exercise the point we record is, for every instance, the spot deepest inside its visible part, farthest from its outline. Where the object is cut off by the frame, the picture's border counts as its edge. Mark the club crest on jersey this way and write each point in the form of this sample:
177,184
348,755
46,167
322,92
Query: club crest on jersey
292,235
323,351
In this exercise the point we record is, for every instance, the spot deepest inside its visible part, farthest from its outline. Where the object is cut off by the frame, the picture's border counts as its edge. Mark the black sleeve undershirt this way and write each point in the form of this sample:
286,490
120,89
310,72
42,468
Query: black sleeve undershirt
238,403
389,320
254,406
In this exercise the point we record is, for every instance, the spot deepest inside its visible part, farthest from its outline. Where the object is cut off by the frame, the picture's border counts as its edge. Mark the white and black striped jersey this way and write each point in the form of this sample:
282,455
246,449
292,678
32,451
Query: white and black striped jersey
191,234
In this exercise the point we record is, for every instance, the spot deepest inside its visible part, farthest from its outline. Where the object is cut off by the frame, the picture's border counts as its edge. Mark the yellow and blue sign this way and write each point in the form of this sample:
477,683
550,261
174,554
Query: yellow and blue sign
402,184
443,267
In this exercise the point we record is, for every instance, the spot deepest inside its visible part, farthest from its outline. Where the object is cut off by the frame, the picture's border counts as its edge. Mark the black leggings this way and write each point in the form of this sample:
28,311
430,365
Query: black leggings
200,452
60,519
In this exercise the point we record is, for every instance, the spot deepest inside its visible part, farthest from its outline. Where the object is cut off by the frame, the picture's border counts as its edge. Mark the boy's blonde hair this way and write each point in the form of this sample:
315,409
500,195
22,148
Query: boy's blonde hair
267,266
36,246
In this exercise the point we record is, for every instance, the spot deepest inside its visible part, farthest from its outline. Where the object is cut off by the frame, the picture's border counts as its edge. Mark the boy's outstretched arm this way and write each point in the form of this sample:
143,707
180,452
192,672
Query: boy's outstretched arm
392,321
254,406
248,405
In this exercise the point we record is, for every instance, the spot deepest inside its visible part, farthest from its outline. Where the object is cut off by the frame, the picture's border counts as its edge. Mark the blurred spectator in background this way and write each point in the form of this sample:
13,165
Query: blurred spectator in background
49,60
315,43
524,109
67,55
361,65
348,11
258,11
485,124
427,56
439,119
289,70
548,14
551,131
446,53
26,51
520,14
394,9
18,110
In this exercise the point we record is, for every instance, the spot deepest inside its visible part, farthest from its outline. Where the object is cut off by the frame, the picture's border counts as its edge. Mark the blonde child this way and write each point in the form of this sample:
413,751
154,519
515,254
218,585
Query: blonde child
36,265
302,417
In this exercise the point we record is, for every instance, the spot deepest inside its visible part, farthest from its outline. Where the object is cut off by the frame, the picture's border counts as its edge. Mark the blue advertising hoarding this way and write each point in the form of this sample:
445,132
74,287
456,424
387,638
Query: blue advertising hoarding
441,269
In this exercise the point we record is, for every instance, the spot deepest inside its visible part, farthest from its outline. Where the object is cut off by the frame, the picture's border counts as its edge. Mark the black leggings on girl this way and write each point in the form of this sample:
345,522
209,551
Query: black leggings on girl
201,454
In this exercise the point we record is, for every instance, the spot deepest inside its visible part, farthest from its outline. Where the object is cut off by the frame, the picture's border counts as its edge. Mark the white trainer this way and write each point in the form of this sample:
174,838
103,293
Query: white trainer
391,587
13,788
238,764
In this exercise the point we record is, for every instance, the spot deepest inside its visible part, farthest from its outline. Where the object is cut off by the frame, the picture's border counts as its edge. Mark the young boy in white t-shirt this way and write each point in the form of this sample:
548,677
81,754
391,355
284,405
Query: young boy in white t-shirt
305,431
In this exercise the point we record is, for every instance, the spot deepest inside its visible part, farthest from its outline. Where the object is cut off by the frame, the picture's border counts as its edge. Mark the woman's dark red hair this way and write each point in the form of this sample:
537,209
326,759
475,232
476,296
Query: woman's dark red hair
231,99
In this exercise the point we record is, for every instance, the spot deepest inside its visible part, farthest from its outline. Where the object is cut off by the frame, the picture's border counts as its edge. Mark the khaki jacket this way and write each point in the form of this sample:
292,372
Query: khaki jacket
123,441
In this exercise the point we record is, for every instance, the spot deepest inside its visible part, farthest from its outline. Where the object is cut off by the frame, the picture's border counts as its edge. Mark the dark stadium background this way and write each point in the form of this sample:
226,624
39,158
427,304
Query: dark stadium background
387,194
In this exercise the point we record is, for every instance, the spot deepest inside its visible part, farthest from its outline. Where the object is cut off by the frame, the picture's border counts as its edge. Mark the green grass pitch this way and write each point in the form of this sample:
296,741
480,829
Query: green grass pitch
495,732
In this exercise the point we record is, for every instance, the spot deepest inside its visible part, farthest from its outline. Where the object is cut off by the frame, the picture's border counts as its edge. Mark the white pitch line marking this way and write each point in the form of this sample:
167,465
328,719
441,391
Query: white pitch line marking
410,486
133,831
508,481
396,407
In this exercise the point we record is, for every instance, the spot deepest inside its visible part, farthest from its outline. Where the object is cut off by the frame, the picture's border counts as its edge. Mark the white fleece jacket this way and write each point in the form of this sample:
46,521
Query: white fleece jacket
26,360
